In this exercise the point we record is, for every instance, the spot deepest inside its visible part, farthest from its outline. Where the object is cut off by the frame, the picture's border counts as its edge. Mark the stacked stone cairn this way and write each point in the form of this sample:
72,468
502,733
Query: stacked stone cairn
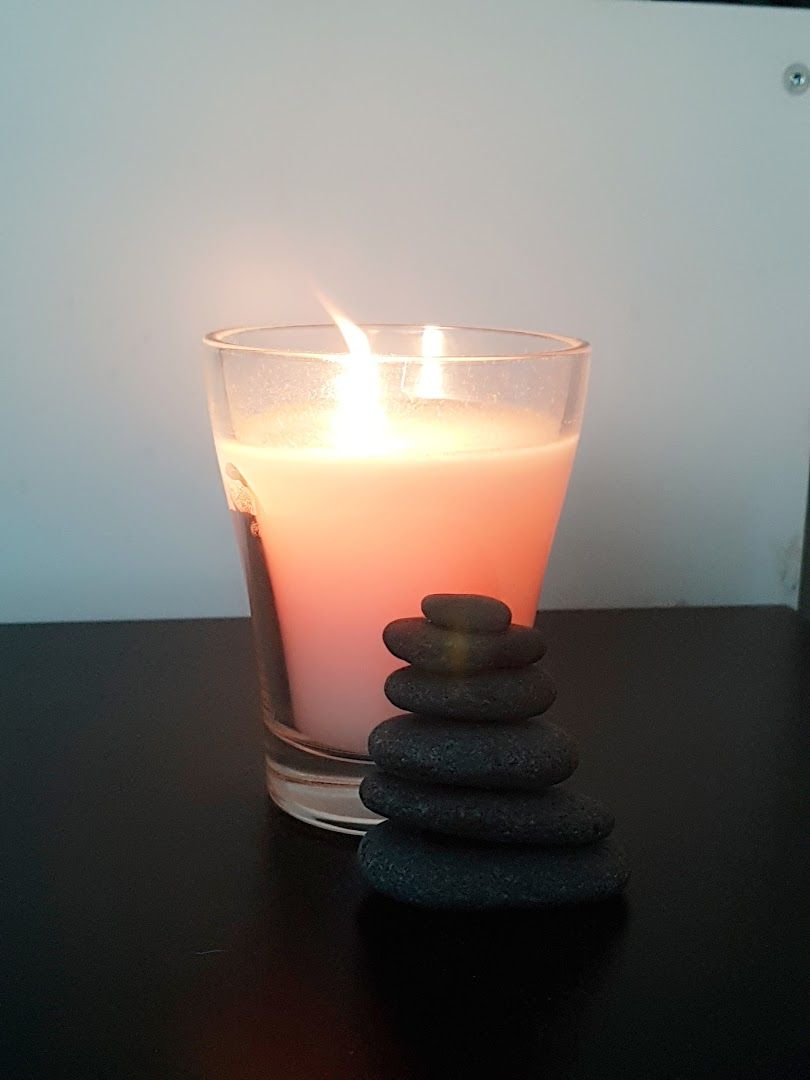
470,777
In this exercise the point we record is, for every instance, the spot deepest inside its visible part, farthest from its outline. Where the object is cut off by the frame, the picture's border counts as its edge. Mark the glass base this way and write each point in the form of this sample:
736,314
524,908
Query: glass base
317,785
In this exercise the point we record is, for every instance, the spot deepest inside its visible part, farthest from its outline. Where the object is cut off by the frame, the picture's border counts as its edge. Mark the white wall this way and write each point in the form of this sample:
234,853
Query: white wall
630,172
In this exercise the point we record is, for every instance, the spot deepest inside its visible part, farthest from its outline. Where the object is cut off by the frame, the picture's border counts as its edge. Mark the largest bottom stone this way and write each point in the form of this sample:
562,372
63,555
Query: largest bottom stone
426,870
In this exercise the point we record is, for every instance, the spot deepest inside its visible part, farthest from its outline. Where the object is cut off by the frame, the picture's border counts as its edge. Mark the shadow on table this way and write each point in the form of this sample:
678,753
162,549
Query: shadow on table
497,994
320,977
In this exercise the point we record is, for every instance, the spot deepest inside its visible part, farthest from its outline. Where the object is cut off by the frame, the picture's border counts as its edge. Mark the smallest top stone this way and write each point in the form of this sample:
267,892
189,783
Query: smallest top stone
467,612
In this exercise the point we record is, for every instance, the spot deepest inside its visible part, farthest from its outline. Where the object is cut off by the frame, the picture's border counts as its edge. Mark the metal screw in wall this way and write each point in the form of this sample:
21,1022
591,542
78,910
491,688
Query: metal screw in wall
796,78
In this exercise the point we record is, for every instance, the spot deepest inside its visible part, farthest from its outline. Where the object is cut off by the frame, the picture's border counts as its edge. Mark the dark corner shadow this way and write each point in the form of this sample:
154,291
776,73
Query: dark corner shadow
500,994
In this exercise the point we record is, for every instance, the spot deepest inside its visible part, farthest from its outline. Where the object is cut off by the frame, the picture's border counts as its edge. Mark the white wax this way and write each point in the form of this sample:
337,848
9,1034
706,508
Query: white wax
454,498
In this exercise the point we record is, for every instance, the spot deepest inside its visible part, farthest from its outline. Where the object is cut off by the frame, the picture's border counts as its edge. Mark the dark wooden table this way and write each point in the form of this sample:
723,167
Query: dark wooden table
161,919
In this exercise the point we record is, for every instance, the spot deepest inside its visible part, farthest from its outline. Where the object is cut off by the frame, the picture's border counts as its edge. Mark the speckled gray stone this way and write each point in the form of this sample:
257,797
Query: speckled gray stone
487,695
466,611
434,648
431,871
525,755
558,816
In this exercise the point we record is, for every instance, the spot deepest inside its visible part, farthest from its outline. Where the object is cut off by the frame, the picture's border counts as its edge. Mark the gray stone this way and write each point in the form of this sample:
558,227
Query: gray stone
486,695
556,817
525,755
434,872
466,611
434,648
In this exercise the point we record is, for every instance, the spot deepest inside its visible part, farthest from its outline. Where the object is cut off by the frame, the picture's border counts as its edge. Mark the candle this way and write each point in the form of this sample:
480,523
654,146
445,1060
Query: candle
365,468
365,501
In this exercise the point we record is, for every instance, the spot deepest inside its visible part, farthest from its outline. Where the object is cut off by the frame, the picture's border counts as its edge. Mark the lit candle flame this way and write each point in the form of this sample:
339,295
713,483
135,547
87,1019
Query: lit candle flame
359,421
429,384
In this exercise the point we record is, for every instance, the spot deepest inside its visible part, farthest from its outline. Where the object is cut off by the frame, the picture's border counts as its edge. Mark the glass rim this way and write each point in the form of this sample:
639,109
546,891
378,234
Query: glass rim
566,346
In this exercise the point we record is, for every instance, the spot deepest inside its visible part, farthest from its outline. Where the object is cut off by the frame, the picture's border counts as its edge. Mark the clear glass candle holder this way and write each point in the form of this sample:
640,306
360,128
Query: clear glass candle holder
361,477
